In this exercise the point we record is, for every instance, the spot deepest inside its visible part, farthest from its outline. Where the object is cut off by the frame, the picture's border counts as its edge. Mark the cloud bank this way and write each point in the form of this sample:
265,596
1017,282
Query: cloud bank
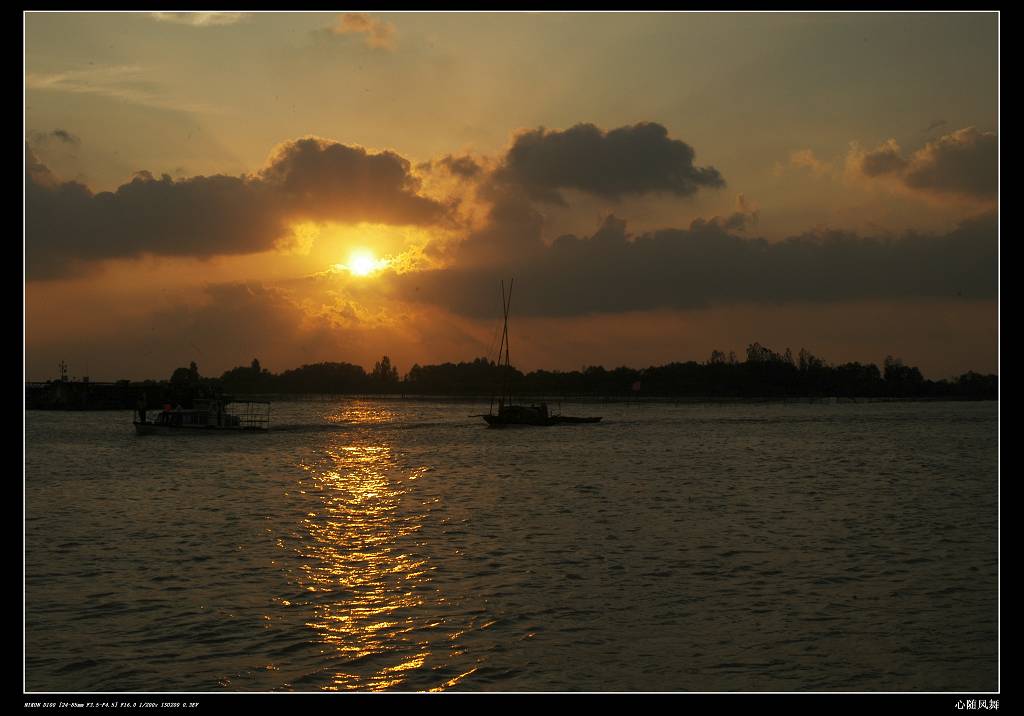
611,271
708,263
308,179
631,160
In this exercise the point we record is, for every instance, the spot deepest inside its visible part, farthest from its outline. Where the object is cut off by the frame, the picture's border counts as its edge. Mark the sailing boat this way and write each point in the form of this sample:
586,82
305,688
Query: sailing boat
508,413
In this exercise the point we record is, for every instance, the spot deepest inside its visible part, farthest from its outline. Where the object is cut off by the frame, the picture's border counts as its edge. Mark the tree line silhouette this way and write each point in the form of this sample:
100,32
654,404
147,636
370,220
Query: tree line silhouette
763,374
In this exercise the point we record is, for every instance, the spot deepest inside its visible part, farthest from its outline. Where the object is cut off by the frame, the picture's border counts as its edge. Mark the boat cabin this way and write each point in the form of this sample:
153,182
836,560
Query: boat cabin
207,413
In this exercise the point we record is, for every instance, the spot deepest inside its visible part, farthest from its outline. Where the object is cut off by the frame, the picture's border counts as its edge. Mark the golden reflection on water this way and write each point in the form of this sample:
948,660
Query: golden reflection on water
362,413
368,593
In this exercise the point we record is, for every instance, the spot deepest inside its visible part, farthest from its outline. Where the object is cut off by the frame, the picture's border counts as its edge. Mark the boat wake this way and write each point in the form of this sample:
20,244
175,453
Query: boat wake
343,425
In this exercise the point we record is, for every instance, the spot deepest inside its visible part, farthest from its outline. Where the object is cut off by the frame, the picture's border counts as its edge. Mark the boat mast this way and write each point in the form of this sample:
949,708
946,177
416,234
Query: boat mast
508,365
506,302
501,347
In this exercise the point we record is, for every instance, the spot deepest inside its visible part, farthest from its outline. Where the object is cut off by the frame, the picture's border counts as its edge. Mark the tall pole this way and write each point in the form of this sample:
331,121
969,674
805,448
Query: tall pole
507,305
501,349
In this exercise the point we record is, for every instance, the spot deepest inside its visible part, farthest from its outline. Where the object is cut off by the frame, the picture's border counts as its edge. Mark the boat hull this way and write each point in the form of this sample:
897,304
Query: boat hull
156,429
500,421
569,420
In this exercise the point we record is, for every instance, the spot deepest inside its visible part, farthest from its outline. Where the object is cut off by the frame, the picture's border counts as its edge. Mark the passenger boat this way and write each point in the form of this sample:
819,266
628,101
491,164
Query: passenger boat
509,414
208,415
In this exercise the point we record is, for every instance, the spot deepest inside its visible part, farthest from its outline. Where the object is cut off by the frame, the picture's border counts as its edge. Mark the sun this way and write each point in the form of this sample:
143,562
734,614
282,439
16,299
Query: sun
363,263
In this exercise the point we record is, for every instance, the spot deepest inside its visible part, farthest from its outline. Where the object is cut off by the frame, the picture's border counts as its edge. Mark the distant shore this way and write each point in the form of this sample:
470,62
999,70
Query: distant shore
119,396
765,376
590,399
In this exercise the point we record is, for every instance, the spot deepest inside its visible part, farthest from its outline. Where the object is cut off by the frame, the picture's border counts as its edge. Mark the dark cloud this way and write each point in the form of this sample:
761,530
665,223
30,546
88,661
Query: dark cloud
883,160
465,167
632,160
965,163
746,215
36,172
513,228
935,124
705,265
310,179
65,136
58,135
327,180
736,221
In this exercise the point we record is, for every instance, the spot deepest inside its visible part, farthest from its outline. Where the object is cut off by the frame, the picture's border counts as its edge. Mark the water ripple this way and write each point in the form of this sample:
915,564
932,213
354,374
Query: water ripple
369,545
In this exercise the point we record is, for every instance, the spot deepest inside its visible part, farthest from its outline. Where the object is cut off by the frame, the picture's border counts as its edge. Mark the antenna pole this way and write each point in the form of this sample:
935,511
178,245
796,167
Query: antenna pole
507,305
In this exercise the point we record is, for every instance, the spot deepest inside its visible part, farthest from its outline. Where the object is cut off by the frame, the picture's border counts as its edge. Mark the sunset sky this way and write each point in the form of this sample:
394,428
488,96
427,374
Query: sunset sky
307,187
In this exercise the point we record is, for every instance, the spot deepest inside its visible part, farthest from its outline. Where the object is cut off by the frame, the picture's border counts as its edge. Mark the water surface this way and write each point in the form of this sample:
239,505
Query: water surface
402,545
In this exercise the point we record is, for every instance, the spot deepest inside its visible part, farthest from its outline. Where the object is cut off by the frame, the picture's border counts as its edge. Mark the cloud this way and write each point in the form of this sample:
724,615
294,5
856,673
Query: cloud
126,83
705,265
325,180
378,34
747,213
61,136
37,173
201,19
65,136
935,124
883,160
465,167
805,159
310,179
963,163
627,161
513,227
746,206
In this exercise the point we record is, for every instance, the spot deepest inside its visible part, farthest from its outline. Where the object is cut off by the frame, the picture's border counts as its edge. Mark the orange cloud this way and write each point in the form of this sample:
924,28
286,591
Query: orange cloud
306,180
805,159
378,33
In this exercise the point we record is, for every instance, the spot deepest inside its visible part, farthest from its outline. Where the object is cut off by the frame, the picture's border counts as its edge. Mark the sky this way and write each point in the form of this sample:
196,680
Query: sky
308,187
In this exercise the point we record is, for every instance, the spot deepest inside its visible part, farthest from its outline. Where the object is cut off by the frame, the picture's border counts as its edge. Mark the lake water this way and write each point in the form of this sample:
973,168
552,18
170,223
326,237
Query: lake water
401,545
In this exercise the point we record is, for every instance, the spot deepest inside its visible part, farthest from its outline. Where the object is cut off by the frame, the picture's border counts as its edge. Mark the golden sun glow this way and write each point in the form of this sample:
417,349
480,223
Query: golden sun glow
363,263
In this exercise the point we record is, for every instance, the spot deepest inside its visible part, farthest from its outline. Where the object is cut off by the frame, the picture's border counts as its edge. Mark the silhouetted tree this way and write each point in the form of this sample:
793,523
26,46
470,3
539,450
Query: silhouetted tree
384,373
322,378
901,381
808,361
186,376
186,384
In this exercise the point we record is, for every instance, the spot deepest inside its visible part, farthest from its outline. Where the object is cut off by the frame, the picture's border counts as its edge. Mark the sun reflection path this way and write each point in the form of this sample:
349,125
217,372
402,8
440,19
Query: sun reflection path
370,595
